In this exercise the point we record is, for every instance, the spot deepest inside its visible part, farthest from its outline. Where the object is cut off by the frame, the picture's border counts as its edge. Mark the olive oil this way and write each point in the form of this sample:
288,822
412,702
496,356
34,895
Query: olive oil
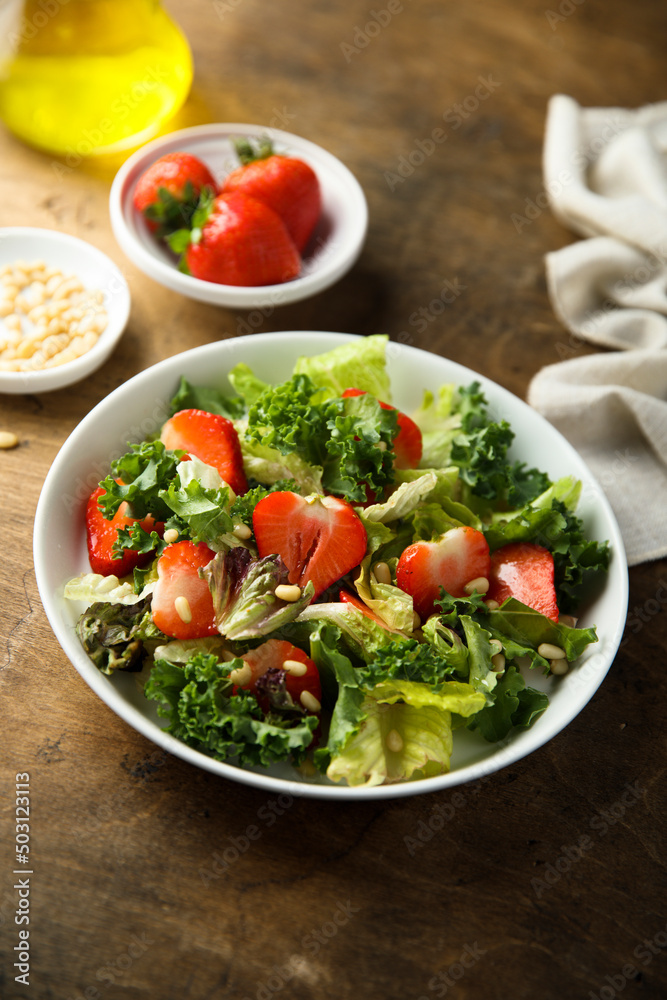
86,77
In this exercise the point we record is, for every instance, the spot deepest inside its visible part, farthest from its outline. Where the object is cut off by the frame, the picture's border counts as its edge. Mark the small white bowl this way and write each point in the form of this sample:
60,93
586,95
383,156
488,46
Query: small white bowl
139,407
333,248
95,271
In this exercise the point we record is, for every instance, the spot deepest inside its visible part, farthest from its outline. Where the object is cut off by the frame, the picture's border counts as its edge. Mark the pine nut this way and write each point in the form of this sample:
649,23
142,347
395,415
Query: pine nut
8,440
550,652
498,663
568,620
309,701
241,676
295,667
559,666
170,535
382,572
394,741
416,621
496,645
288,592
52,303
479,584
183,609
242,532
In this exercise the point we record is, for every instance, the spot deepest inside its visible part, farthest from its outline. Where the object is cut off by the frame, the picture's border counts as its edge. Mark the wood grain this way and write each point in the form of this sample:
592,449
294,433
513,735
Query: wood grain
542,882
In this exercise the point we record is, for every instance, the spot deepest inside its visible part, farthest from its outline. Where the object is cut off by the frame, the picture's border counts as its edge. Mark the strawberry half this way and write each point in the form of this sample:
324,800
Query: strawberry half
319,538
408,441
272,655
286,184
525,571
181,604
102,535
210,437
241,242
455,559
168,192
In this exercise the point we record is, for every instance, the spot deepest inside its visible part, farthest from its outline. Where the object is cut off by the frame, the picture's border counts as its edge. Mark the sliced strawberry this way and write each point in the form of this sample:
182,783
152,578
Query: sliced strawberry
102,535
525,571
272,655
455,559
408,441
211,438
181,605
319,538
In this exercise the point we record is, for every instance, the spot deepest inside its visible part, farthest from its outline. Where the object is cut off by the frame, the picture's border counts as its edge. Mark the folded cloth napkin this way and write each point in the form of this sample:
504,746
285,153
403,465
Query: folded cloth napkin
605,174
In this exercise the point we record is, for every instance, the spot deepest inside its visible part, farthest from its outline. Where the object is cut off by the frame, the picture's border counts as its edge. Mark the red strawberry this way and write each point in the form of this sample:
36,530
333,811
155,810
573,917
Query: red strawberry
181,604
286,184
211,438
102,535
319,538
455,559
408,441
273,654
168,192
525,571
241,242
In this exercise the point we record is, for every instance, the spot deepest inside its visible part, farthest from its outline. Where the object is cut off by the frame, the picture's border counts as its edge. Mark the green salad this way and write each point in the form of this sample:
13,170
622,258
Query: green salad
301,572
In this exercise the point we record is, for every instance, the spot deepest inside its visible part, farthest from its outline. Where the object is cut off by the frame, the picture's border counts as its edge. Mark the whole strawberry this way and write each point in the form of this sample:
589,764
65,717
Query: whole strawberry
237,240
285,183
168,192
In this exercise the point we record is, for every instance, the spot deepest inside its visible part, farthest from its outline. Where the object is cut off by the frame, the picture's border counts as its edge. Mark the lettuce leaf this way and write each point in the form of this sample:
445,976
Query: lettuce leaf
113,635
197,397
515,621
268,466
246,383
243,591
359,365
425,745
95,588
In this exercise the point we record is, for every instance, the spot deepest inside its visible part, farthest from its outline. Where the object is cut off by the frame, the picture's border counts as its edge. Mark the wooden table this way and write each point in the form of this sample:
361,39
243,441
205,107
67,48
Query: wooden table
129,898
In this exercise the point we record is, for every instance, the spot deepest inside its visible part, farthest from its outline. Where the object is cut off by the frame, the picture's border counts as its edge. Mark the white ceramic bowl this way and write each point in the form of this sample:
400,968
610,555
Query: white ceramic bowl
138,408
96,271
333,249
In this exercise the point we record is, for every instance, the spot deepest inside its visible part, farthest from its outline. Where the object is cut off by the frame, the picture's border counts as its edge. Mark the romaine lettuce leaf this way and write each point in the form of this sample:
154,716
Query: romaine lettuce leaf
246,383
268,466
424,738
356,365
95,588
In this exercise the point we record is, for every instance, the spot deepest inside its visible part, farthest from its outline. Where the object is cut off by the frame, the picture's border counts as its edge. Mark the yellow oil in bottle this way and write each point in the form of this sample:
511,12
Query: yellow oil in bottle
86,77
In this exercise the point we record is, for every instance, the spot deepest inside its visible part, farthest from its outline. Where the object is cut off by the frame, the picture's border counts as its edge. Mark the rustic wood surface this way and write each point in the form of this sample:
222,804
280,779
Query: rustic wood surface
129,898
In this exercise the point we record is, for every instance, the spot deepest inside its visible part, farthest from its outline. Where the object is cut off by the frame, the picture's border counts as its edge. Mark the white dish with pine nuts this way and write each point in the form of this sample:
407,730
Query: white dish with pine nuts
63,307
61,553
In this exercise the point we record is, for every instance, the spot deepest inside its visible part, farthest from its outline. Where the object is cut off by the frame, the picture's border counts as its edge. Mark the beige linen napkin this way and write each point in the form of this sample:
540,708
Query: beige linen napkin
605,174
